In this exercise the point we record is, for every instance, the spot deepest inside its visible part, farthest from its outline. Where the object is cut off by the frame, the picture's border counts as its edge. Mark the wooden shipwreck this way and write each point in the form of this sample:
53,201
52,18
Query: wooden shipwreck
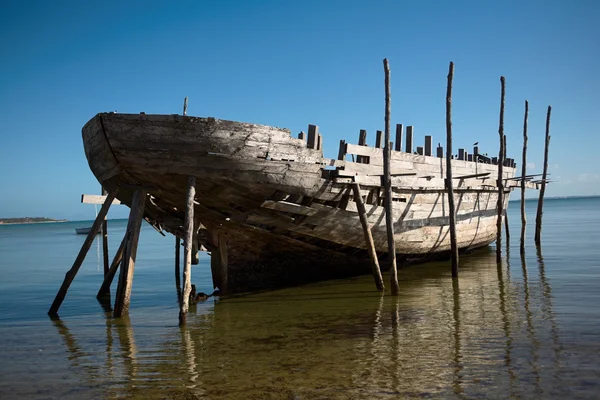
273,211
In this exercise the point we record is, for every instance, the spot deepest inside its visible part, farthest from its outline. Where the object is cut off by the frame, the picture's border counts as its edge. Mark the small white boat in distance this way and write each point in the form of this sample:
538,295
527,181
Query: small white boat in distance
83,231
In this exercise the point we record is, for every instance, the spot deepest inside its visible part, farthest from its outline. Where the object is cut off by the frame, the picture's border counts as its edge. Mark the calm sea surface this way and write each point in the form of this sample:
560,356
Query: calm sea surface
529,328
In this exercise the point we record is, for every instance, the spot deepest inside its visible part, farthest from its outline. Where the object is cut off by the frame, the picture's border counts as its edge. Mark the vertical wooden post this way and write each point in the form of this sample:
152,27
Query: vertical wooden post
538,218
387,177
378,139
440,152
523,173
313,134
136,215
506,230
362,141
475,153
187,252
342,150
409,139
461,154
105,239
500,183
320,142
420,150
85,247
428,145
451,210
177,267
223,263
362,213
185,101
399,129
108,278
302,136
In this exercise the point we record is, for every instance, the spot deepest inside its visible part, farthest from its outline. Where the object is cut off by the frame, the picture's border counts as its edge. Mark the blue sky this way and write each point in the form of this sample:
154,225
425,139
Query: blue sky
289,64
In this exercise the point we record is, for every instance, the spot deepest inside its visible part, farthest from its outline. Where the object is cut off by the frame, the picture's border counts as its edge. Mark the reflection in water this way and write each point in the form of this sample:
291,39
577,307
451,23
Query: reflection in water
441,337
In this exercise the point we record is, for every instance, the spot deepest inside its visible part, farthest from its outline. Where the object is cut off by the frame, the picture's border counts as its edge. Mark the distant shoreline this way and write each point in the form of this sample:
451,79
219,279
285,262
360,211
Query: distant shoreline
15,221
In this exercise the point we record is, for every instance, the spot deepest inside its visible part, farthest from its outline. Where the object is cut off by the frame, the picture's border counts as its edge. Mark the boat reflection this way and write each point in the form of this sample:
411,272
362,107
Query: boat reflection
480,334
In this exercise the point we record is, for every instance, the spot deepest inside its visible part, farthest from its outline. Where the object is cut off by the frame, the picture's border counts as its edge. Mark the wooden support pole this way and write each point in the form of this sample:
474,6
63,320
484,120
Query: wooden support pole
428,145
362,213
362,141
440,152
500,182
461,154
399,129
313,135
451,209
379,139
342,150
523,181
320,142
223,263
387,155
114,266
134,225
85,247
105,239
187,252
185,101
178,267
506,230
409,139
538,218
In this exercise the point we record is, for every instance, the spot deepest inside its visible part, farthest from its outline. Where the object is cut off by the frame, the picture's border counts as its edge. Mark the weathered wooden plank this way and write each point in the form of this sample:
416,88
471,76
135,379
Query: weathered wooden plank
96,199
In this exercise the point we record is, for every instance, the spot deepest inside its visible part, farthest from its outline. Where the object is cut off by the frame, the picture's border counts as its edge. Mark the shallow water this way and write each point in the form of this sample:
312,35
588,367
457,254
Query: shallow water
527,328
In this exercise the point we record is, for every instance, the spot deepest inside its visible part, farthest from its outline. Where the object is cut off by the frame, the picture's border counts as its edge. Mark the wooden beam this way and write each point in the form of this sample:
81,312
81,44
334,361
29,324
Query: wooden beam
342,150
105,239
187,253
134,225
473,175
70,275
387,179
313,134
379,139
500,183
428,145
409,139
114,266
538,218
451,209
362,141
178,268
362,214
96,199
399,129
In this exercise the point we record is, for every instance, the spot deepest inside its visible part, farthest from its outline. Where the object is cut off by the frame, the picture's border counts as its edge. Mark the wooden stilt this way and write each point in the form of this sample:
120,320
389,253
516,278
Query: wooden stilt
70,275
540,207
451,209
105,240
389,216
178,268
136,215
114,266
501,155
362,213
187,253
506,230
523,174
223,263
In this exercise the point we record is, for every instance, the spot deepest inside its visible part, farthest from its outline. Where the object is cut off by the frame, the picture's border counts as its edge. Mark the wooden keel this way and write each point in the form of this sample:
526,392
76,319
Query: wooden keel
85,247
136,215
449,183
362,213
114,266
187,252
389,216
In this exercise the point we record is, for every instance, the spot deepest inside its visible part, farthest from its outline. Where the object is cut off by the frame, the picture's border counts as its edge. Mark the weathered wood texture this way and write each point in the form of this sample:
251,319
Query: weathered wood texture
449,183
523,176
112,270
178,269
85,247
136,215
540,207
96,199
501,155
362,213
187,253
387,177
